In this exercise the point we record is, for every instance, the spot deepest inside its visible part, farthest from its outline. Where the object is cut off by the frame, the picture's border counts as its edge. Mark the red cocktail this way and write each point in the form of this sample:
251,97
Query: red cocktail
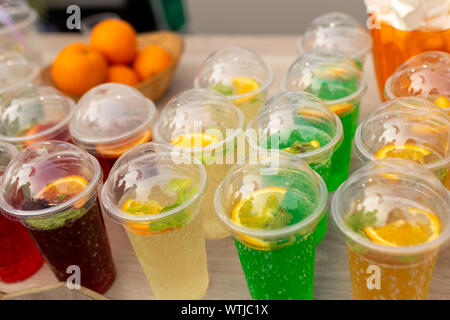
19,257
52,189
109,120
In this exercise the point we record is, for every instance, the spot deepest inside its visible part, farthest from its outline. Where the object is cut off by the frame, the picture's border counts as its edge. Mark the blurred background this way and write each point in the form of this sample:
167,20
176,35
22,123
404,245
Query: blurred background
200,16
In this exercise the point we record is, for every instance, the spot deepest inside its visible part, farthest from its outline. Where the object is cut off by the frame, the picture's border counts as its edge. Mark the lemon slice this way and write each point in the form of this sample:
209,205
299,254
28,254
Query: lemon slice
341,108
195,140
243,85
257,210
138,208
404,151
421,227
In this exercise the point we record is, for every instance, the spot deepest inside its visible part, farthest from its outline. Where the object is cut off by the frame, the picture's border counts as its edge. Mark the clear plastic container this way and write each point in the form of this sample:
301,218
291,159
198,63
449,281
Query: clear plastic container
407,127
110,119
390,194
15,72
286,247
51,188
337,81
31,114
239,74
155,193
210,125
18,31
426,75
337,31
299,123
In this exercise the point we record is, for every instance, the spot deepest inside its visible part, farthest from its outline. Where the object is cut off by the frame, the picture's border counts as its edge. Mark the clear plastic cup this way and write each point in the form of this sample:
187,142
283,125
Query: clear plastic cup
392,193
337,81
401,30
426,75
109,120
167,234
19,257
299,123
18,31
412,124
200,115
32,114
15,72
239,74
277,260
51,188
337,31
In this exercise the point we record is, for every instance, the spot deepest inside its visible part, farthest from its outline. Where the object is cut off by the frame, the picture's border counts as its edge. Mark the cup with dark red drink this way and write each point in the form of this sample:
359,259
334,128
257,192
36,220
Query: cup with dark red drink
30,114
19,257
109,120
51,188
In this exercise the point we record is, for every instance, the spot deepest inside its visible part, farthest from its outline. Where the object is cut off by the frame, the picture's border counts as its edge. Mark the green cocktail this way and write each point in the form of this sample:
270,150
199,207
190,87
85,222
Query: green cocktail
299,123
272,207
336,80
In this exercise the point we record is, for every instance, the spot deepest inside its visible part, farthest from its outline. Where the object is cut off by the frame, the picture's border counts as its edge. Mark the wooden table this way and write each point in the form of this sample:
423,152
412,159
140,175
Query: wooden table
227,279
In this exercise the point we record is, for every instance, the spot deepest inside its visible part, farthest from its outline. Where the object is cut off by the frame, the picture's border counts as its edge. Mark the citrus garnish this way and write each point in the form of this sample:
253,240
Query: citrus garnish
195,140
442,102
261,210
108,152
420,226
341,108
404,151
243,85
35,130
138,208
302,147
62,190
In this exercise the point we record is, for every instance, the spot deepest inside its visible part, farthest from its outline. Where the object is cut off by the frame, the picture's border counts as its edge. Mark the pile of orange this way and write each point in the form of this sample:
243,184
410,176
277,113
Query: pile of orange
112,55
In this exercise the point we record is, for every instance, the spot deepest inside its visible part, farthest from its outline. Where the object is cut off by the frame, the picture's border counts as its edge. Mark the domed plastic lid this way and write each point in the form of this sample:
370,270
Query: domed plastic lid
223,66
337,31
49,177
17,12
110,113
15,71
329,75
426,74
34,113
7,152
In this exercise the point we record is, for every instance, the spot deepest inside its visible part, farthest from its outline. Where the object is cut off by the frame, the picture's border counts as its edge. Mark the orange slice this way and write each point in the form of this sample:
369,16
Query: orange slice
108,152
138,208
421,227
404,151
341,108
442,102
35,130
244,85
62,190
195,140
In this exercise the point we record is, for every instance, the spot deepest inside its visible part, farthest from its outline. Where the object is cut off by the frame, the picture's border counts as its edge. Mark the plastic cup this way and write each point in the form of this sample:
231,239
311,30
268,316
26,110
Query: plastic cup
19,257
203,111
388,189
31,114
223,67
18,30
395,41
51,188
169,242
409,121
16,71
278,262
337,81
298,118
337,31
426,75
109,120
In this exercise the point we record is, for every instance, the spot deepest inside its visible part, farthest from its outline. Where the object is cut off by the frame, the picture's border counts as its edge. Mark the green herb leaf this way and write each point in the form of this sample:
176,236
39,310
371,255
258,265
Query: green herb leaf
176,185
360,220
223,89
53,222
61,197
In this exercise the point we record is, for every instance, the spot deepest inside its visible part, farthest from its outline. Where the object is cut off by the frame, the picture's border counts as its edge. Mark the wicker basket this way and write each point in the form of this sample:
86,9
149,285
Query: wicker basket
155,87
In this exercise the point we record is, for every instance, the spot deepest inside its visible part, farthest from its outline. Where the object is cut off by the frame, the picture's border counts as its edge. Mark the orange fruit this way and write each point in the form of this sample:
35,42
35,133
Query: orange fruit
152,60
108,152
62,190
35,130
78,68
421,227
121,73
404,151
116,40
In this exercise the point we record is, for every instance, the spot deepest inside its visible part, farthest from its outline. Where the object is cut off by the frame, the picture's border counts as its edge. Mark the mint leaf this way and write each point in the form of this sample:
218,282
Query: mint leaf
223,89
176,185
53,222
300,147
61,197
360,220
280,220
